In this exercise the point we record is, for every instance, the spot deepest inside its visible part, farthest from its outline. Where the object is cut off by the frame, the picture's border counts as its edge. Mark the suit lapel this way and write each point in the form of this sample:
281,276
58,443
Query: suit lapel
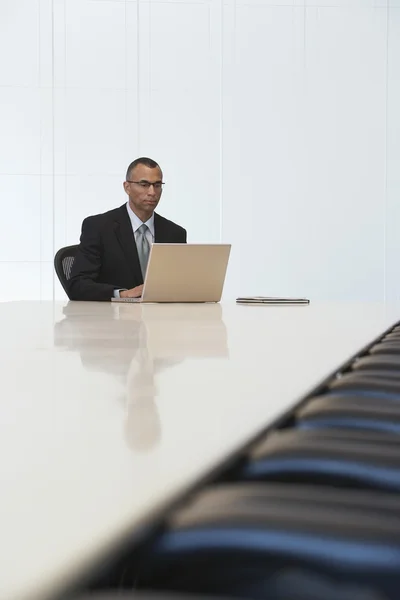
124,233
160,230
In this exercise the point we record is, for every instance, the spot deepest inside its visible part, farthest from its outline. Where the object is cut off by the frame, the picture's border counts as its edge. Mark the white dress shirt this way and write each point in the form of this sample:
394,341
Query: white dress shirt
136,223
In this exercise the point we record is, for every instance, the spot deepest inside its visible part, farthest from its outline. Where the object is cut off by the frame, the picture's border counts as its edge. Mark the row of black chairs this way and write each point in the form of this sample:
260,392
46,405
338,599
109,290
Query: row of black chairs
311,511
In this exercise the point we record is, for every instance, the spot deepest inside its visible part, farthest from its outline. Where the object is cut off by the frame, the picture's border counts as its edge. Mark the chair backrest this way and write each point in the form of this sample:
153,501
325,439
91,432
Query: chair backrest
63,261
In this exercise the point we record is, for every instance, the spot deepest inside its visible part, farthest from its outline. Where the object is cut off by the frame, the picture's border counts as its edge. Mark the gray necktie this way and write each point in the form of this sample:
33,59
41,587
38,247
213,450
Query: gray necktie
143,248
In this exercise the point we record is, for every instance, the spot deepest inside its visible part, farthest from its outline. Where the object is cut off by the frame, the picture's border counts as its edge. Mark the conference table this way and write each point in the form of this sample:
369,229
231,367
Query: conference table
110,412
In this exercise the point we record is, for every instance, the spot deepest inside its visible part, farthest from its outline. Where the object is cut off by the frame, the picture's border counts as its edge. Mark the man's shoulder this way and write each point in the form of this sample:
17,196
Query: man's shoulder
106,217
167,223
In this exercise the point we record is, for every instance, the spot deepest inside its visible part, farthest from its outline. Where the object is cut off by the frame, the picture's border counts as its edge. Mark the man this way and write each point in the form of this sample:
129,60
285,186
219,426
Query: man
114,246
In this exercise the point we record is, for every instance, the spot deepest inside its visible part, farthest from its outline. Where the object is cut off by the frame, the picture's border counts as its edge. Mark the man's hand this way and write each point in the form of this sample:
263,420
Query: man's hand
135,292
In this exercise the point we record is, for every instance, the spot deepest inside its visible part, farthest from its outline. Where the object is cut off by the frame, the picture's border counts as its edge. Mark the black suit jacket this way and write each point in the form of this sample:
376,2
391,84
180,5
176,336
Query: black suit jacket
107,257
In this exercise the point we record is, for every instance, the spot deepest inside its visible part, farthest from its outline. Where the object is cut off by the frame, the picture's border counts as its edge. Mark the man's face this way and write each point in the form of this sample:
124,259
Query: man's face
142,196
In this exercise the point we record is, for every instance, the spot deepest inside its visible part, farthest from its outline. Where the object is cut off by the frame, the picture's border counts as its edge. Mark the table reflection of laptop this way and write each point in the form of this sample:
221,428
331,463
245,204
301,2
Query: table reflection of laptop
184,273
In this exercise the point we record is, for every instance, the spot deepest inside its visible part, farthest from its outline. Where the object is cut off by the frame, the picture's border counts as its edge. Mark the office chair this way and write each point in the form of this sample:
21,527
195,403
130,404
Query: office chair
350,411
368,383
63,261
348,458
366,397
279,542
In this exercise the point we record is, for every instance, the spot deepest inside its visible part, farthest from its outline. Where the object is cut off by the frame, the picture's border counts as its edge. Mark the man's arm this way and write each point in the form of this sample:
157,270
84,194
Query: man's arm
83,283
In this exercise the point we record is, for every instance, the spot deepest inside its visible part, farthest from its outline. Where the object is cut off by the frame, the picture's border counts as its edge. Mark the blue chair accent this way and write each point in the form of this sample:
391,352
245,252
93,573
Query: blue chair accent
346,458
362,383
249,541
350,411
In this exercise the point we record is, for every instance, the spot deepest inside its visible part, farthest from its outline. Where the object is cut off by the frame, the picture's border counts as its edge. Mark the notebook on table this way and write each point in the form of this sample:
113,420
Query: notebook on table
271,300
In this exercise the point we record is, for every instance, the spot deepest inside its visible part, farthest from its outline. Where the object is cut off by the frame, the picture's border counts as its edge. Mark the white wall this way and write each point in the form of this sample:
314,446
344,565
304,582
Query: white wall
276,122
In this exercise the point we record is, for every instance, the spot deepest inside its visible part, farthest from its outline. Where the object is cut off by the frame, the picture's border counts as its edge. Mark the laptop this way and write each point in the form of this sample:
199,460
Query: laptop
184,273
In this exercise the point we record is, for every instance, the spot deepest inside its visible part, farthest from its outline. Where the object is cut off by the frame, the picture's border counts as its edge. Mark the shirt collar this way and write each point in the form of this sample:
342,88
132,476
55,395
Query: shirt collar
136,222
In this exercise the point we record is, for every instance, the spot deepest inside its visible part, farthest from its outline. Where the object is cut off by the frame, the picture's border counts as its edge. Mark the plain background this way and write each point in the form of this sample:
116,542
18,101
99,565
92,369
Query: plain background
276,122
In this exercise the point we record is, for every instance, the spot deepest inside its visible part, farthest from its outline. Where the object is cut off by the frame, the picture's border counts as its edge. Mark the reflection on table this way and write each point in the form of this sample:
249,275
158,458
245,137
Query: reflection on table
134,343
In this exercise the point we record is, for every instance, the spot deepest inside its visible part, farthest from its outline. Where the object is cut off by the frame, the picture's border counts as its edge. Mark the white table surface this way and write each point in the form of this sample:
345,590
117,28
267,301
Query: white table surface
109,411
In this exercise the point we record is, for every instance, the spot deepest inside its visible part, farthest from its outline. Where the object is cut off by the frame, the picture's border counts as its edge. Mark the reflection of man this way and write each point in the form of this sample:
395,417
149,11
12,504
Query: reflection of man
114,247
111,344
142,427
135,343
105,343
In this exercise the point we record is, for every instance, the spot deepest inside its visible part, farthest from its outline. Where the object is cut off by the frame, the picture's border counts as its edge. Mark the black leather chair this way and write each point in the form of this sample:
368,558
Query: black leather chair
386,347
341,458
280,542
63,261
368,384
385,363
352,411
366,396
393,335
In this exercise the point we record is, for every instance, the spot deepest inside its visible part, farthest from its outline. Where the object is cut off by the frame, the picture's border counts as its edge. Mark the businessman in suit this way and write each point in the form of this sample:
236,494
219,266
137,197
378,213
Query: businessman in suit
114,246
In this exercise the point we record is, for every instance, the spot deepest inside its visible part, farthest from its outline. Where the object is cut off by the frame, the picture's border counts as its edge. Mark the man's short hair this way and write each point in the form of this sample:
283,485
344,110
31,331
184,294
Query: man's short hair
147,162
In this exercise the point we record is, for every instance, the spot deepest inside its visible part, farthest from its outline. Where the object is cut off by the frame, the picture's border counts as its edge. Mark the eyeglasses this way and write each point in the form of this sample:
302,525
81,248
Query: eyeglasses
147,184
